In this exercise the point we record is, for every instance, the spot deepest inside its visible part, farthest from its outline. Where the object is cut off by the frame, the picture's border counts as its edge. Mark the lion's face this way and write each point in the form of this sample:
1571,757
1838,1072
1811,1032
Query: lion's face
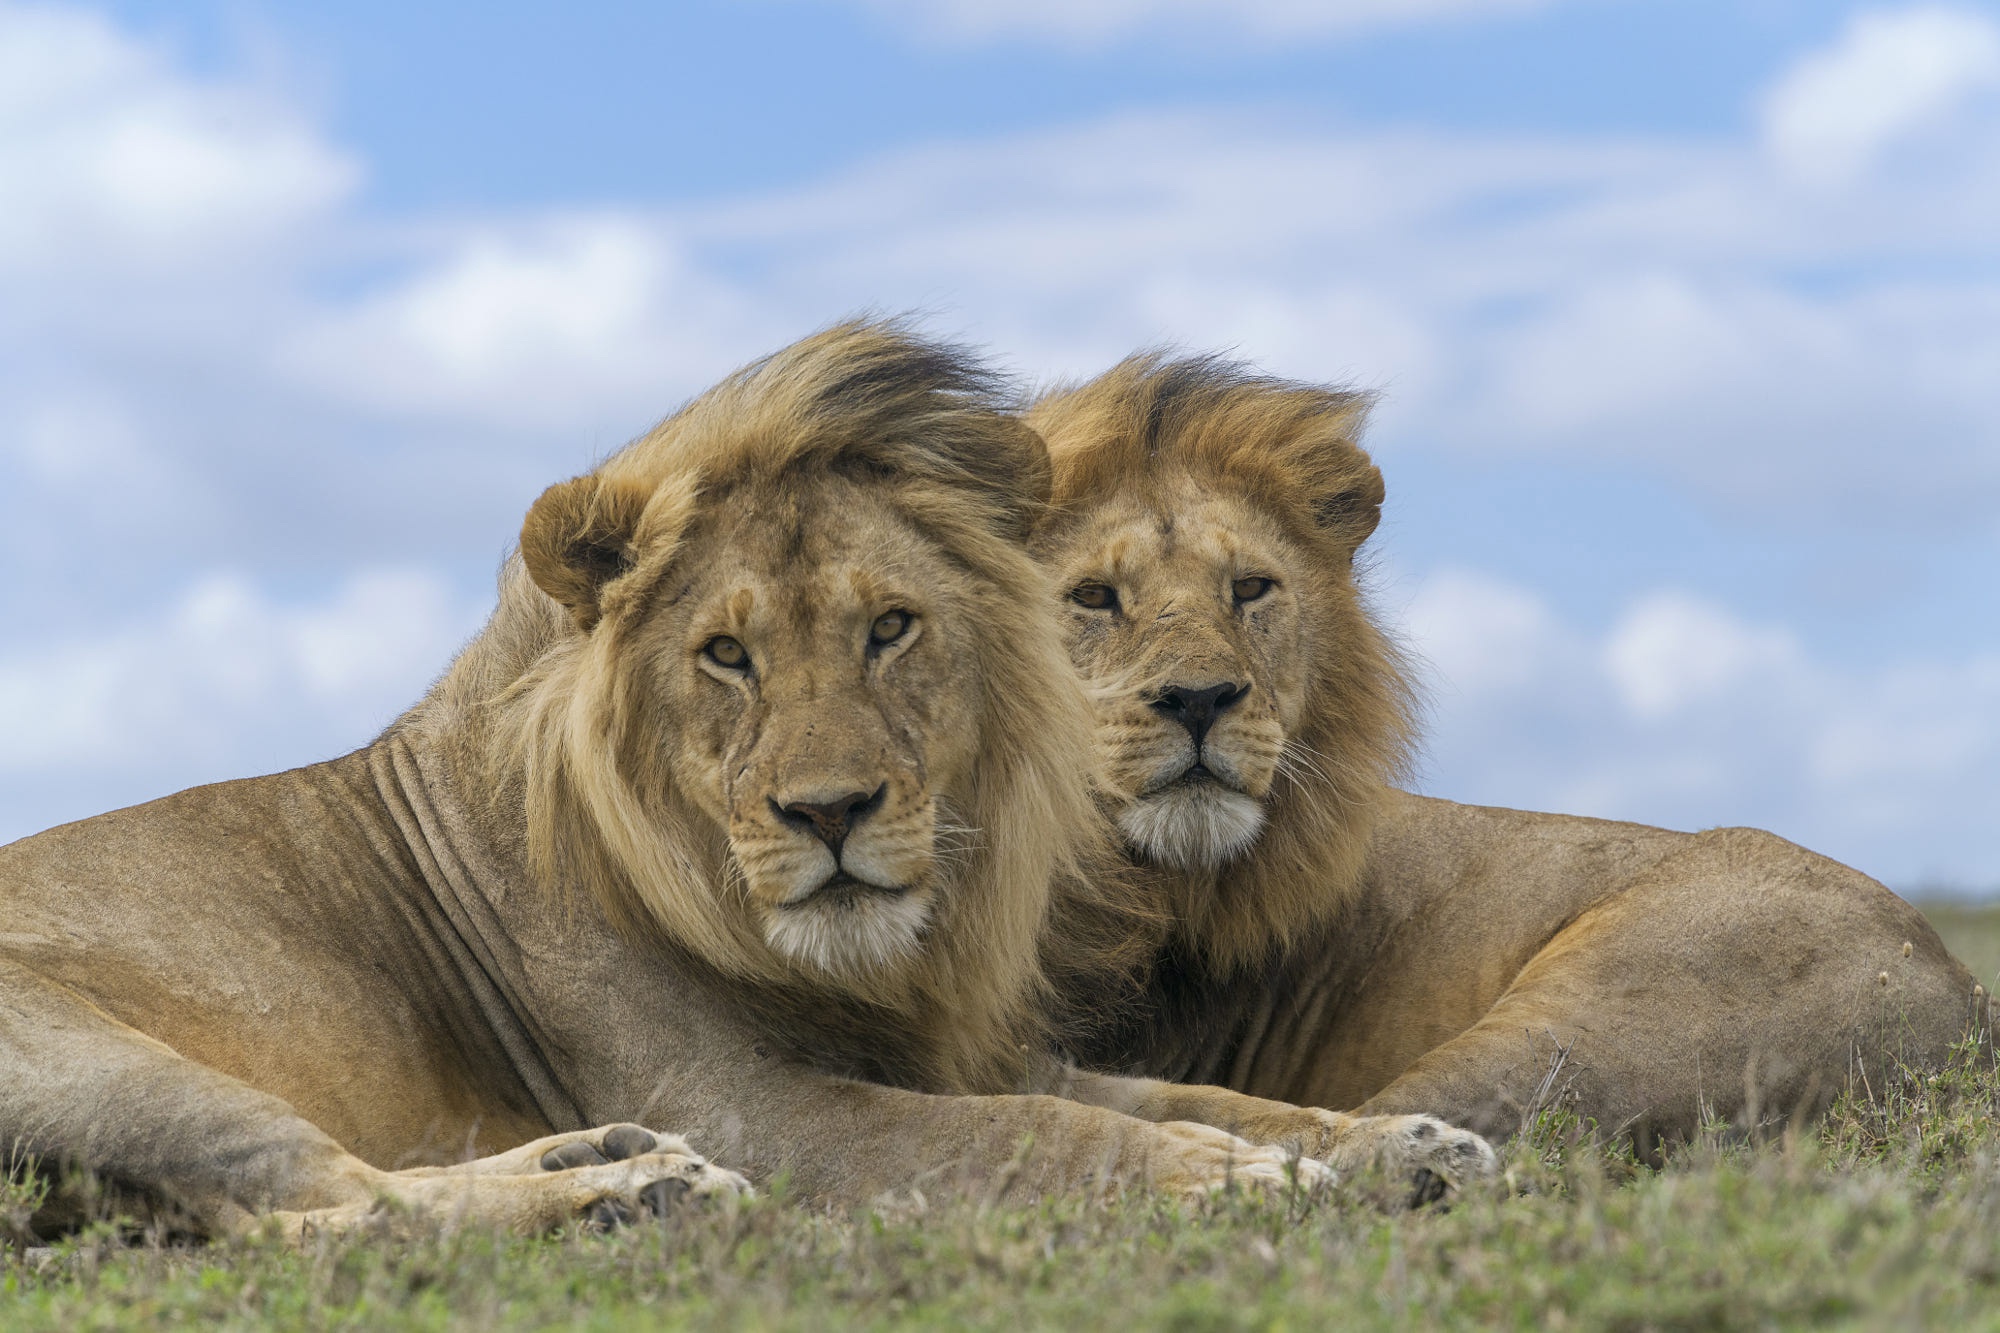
794,701
1185,614
826,695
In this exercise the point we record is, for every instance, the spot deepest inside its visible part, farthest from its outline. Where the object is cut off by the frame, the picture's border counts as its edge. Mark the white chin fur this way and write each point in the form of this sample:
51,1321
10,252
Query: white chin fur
850,936
1194,826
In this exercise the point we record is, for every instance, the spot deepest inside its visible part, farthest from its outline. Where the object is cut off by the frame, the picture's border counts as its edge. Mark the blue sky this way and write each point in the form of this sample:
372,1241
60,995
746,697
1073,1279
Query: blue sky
1686,318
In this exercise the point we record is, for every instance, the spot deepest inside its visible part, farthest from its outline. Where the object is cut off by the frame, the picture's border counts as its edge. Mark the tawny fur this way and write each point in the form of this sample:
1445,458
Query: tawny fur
850,406
553,895
1372,949
1139,445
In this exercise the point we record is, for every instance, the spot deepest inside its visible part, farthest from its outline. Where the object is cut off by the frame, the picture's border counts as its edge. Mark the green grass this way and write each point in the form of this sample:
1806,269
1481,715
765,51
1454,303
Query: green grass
1887,1215
1972,931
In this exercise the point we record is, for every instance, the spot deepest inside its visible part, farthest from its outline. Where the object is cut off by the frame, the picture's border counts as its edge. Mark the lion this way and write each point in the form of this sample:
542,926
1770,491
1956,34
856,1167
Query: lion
1338,942
741,817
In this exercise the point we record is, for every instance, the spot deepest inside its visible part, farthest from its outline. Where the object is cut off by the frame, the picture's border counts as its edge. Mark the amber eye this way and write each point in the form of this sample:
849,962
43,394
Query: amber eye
889,627
1096,596
1250,589
725,651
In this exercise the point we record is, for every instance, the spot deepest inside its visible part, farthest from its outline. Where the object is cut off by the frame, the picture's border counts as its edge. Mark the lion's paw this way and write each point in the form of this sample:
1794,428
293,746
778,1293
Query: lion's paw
1197,1161
656,1184
582,1147
606,1143
1438,1157
617,1175
623,1172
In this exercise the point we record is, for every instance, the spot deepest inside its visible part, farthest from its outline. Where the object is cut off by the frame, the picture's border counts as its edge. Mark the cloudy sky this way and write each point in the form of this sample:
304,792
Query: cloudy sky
1686,317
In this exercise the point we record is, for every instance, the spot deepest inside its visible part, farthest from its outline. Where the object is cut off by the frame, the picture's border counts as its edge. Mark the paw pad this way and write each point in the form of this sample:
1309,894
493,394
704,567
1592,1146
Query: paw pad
607,1215
662,1197
571,1156
623,1141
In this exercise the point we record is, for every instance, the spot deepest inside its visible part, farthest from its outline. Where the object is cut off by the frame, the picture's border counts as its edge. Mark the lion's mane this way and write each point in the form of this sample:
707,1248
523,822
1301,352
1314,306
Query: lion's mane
573,737
1292,448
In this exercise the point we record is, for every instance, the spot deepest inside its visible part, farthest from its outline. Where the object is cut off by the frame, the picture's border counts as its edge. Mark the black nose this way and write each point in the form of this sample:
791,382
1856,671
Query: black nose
832,818
1196,708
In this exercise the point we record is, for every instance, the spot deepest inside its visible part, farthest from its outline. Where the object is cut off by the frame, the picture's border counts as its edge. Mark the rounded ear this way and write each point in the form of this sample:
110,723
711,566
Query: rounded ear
1324,459
1351,512
577,538
1021,473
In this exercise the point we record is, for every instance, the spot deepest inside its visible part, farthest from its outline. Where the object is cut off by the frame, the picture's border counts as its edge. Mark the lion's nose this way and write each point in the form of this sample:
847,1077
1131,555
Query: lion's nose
1197,707
831,818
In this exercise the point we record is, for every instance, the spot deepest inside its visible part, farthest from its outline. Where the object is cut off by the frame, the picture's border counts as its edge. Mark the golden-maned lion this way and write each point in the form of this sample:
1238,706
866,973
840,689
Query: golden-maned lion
1340,943
739,817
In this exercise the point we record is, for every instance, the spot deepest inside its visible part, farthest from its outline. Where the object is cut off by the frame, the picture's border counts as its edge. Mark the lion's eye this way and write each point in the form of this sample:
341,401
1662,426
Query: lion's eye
725,651
889,627
1250,589
1096,596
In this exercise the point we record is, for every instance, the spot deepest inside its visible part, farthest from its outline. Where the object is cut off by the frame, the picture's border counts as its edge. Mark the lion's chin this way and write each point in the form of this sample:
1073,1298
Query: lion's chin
850,930
1192,825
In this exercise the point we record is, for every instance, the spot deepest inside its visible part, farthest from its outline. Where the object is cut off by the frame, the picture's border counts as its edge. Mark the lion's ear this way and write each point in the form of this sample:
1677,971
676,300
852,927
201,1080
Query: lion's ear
1343,490
577,538
1022,476
1351,512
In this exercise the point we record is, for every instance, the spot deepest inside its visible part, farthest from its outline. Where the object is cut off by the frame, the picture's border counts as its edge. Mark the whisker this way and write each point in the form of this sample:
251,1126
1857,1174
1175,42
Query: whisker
1297,762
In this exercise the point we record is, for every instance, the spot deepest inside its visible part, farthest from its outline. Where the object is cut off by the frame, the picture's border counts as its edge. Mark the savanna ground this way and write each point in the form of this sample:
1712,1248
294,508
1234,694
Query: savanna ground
1886,1215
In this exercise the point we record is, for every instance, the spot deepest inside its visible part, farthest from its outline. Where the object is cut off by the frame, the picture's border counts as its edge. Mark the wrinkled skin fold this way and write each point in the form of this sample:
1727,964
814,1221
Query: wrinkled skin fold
1334,941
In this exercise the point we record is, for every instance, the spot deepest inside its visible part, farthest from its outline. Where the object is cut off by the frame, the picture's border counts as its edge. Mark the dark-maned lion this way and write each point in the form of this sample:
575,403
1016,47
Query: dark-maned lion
739,817
1339,943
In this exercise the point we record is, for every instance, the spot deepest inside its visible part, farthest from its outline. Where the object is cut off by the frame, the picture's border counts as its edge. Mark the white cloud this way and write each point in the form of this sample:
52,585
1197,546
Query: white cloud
1665,305
73,443
110,156
1481,637
1684,714
1672,652
553,324
1092,22
229,679
1556,295
1891,76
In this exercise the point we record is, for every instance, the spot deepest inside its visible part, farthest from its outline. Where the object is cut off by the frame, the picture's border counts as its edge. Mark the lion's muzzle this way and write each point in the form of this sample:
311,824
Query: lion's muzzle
1196,707
829,818
840,869
1195,782
843,845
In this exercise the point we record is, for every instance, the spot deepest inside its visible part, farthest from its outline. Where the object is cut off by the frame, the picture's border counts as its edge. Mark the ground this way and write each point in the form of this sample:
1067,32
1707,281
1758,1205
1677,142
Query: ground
1887,1215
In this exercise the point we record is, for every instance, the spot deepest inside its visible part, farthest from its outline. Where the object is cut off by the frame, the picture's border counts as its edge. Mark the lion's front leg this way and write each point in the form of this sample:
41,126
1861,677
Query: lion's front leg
534,1189
79,1089
1436,1155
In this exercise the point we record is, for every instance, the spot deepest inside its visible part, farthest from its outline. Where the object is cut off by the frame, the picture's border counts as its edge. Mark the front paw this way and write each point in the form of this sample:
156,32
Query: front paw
655,1184
1437,1157
1196,1161
668,1171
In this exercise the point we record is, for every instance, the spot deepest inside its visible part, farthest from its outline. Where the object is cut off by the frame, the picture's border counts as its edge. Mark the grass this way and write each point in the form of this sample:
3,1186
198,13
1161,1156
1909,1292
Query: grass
1971,929
1885,1215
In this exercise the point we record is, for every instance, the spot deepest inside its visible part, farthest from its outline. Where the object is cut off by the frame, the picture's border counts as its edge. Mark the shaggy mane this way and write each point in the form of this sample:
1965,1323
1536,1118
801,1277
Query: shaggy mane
1292,449
573,741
